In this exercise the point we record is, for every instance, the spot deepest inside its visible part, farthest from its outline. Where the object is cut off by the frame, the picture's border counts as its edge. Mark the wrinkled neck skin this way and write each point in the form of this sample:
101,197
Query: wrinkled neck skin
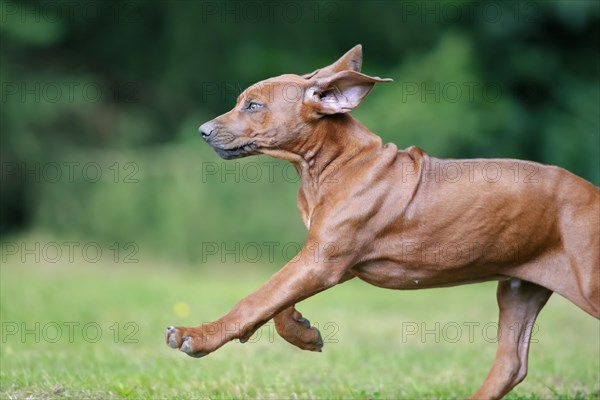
322,156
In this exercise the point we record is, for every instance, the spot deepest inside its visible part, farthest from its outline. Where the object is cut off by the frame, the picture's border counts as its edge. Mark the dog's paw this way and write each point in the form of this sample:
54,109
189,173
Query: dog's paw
316,344
300,333
171,338
187,348
191,341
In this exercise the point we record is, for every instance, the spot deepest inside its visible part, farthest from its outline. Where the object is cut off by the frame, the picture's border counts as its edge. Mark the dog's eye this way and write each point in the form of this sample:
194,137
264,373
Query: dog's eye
252,106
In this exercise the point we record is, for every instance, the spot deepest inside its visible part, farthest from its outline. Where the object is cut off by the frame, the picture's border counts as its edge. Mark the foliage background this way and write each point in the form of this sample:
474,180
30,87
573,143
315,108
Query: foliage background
515,79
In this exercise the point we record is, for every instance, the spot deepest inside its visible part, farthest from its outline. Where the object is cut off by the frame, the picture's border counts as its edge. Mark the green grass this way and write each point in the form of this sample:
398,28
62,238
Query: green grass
365,355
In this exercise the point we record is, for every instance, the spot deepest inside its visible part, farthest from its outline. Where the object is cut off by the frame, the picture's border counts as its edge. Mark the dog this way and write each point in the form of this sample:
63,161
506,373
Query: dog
402,219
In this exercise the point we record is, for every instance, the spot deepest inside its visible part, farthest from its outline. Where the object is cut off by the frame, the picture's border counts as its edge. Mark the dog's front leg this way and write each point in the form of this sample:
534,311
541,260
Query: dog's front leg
296,281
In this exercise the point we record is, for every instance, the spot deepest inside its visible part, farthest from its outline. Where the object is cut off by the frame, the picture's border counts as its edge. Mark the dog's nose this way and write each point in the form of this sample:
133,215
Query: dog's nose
207,129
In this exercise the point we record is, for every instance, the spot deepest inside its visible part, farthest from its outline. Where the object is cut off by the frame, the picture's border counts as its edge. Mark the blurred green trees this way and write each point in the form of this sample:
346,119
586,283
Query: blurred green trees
121,87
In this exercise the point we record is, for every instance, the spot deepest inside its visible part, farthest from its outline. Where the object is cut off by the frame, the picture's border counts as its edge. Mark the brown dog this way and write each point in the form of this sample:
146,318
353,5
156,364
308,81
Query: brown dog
402,219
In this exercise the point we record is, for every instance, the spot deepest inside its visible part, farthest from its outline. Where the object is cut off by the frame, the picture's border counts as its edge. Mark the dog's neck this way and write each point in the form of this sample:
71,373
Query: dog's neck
323,157
335,142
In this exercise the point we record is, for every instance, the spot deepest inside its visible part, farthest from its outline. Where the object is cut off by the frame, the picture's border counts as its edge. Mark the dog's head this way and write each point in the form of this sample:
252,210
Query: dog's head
276,114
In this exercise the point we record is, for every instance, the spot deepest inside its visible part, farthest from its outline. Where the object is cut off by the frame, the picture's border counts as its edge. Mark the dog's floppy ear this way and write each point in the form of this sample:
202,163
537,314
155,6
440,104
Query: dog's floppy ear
351,61
341,92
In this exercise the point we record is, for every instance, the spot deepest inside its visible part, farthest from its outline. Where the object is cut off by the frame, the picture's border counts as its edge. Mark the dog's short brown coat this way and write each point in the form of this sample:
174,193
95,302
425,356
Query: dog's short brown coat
403,219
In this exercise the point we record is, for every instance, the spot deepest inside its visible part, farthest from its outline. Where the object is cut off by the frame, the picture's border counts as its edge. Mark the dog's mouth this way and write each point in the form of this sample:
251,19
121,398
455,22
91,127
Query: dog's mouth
230,153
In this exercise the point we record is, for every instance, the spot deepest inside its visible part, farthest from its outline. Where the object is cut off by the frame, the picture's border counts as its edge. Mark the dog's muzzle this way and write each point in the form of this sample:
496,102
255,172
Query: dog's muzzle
227,151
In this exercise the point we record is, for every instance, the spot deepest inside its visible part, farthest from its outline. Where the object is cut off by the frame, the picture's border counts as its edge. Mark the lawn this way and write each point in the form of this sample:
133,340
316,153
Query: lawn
96,331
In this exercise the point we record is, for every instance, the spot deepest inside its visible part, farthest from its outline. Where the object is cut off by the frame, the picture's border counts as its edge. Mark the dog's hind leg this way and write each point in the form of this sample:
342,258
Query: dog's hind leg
519,303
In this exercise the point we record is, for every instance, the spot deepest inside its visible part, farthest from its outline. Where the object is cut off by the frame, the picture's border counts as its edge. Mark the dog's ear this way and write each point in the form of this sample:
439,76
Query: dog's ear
341,92
351,61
